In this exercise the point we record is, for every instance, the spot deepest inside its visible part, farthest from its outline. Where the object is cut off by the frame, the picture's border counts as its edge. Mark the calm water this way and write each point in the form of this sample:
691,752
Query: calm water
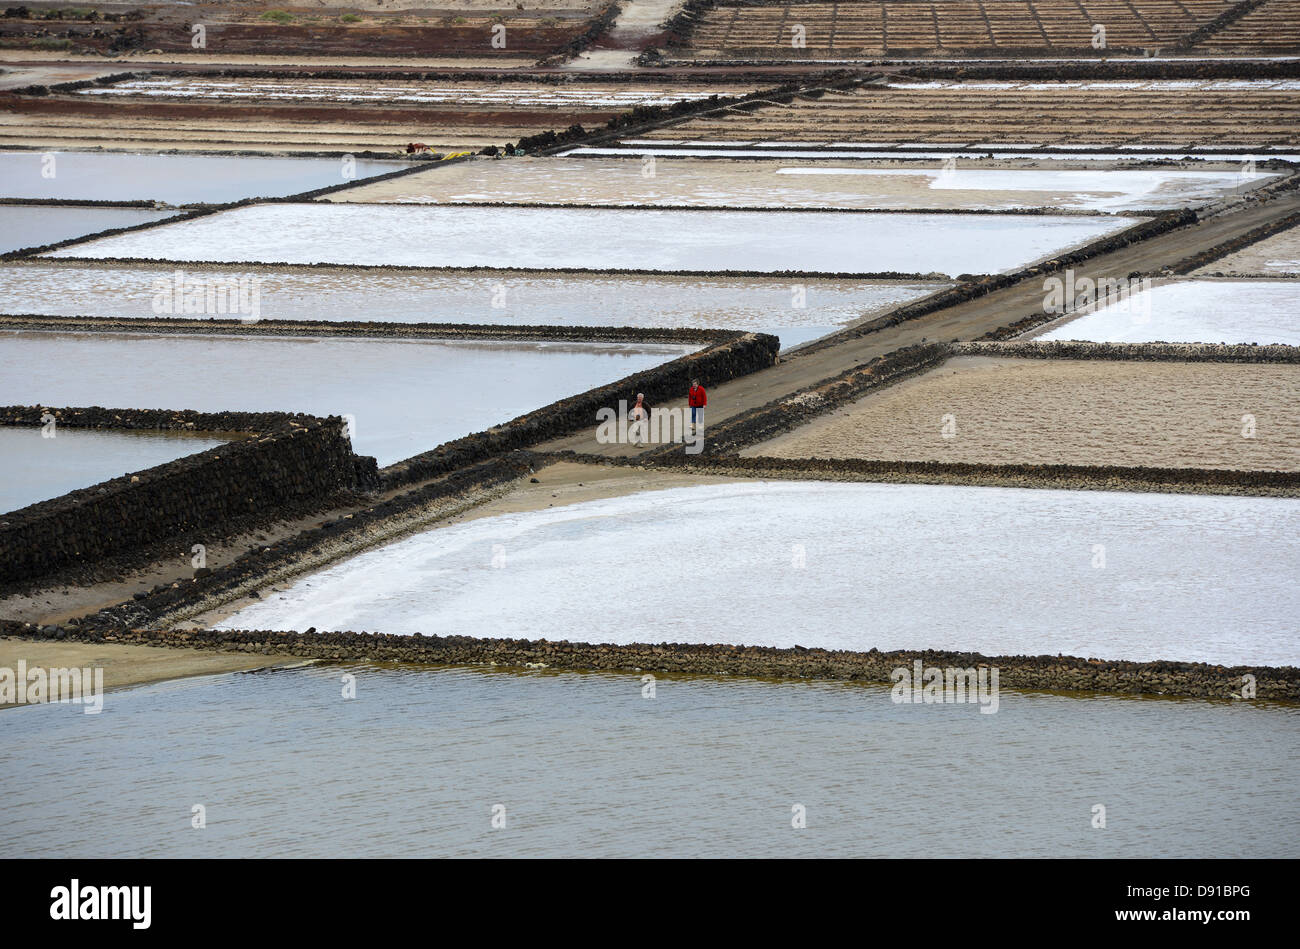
795,313
611,238
36,226
585,766
34,468
406,396
175,179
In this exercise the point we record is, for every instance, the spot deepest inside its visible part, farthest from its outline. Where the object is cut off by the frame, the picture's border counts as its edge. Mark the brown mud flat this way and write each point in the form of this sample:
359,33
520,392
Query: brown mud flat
1010,410
956,113
232,31
871,28
1053,673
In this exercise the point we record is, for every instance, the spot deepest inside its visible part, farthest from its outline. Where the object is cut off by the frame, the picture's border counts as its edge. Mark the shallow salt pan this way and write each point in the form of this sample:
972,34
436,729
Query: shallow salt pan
766,305
407,396
990,570
36,468
26,226
609,238
175,179
1195,311
675,182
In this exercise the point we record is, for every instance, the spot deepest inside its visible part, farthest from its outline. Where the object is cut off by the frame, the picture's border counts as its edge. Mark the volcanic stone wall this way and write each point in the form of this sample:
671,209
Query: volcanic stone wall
1016,672
294,460
737,356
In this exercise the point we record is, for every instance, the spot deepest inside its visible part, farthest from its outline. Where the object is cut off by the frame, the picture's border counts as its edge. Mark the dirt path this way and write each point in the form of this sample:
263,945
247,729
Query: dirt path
965,321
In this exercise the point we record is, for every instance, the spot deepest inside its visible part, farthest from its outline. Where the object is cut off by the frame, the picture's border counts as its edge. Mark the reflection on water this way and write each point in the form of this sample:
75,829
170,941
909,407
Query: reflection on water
36,468
407,396
585,766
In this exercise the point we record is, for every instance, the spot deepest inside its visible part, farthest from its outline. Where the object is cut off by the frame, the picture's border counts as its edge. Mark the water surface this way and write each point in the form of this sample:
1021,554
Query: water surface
36,468
405,396
583,765
174,179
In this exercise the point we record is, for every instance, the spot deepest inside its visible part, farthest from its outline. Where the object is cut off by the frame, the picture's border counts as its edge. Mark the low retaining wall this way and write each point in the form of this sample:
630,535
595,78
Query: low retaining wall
1111,69
1057,673
207,326
738,355
1054,477
294,461
1253,236
1143,352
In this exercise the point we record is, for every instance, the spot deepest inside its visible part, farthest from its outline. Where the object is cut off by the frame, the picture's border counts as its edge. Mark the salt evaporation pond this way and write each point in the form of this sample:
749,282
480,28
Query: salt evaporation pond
997,571
633,180
407,396
1195,311
32,226
610,238
796,312
585,766
36,468
175,179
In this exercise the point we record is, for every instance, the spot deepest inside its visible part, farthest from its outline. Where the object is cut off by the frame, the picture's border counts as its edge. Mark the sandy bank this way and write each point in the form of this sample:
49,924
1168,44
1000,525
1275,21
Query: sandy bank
126,666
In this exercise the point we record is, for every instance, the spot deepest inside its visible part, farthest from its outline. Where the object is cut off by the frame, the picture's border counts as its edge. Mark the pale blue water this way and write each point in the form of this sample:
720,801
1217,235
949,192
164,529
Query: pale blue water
585,766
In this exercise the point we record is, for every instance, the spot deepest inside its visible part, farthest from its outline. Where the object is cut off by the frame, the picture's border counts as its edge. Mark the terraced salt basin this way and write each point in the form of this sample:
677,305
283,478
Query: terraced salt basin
406,396
1192,311
584,765
636,180
609,238
1002,410
997,571
26,226
1276,256
794,311
36,468
174,179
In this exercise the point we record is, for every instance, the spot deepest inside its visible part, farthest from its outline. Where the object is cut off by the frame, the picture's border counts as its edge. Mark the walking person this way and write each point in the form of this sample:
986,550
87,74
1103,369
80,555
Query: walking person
639,419
697,399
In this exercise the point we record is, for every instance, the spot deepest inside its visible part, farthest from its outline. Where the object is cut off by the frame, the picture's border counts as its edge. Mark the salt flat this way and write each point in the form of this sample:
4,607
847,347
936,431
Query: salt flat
842,566
794,311
1194,311
608,238
634,180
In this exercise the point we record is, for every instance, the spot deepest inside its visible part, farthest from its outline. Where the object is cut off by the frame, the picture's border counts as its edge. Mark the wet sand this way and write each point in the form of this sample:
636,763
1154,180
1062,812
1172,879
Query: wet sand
1068,412
127,666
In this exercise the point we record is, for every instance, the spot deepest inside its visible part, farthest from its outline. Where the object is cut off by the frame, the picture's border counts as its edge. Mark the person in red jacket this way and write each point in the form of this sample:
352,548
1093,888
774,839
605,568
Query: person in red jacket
697,399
